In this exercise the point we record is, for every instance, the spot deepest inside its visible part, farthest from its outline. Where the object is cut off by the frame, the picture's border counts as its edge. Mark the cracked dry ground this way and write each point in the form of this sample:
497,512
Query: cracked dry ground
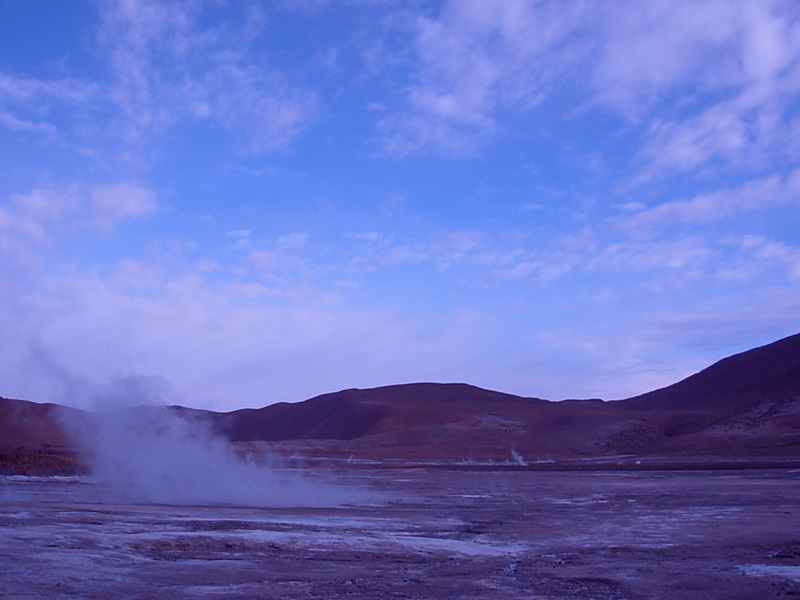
428,533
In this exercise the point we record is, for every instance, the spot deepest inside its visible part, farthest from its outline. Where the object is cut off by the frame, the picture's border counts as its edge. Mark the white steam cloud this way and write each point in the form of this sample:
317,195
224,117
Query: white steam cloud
166,455
155,455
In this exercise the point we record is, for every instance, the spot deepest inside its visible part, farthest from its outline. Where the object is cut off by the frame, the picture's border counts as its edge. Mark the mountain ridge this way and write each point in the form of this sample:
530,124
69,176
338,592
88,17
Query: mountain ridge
745,405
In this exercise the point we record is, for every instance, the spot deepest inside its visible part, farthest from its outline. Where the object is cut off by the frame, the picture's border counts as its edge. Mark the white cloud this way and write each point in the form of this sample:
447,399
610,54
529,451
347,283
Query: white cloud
266,260
293,240
730,70
22,89
683,254
113,203
18,233
647,48
169,67
476,58
441,251
366,236
31,220
759,253
17,124
26,103
754,195
631,207
257,105
732,67
718,133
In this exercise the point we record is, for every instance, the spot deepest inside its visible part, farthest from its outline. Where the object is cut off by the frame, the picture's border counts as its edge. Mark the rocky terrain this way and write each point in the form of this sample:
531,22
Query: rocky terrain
443,532
744,407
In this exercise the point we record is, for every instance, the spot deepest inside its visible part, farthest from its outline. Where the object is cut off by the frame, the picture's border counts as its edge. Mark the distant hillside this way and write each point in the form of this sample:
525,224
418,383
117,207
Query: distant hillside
769,373
746,405
33,440
355,413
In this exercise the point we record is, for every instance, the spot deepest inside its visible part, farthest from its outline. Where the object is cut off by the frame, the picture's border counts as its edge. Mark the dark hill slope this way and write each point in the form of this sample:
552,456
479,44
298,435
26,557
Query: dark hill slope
33,439
34,425
354,413
747,404
338,416
419,420
766,373
427,420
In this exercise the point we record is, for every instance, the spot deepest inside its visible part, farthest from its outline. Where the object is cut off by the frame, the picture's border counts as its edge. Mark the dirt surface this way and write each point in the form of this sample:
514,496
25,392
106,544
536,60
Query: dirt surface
428,533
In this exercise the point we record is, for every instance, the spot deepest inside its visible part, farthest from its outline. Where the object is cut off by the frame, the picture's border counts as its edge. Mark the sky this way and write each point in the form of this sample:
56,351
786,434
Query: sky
228,204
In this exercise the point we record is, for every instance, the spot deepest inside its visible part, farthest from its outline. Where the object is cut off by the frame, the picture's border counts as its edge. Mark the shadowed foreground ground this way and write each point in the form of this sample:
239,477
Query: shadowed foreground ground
433,533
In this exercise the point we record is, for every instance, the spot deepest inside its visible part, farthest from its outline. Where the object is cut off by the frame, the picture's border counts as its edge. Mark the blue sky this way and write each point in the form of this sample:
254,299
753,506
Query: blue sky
227,204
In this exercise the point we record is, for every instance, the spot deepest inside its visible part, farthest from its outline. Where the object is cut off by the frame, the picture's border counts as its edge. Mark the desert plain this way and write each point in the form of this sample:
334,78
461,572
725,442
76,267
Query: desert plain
465,531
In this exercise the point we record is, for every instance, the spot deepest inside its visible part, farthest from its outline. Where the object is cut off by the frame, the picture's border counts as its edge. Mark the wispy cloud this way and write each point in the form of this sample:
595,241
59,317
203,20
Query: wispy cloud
169,65
738,115
752,196
706,84
475,59
27,104
112,203
161,64
32,220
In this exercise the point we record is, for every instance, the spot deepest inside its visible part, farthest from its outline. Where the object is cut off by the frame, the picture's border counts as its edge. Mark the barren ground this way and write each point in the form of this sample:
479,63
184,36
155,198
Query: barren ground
430,533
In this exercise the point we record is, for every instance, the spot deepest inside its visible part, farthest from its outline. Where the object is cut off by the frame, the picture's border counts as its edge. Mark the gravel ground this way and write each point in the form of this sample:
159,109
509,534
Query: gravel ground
418,533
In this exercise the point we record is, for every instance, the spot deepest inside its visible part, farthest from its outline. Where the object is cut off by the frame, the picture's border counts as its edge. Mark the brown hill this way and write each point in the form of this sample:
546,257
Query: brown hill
341,416
420,420
746,405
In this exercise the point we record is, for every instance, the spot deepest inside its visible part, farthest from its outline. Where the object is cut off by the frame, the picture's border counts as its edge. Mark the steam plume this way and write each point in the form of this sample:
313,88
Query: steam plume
153,454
